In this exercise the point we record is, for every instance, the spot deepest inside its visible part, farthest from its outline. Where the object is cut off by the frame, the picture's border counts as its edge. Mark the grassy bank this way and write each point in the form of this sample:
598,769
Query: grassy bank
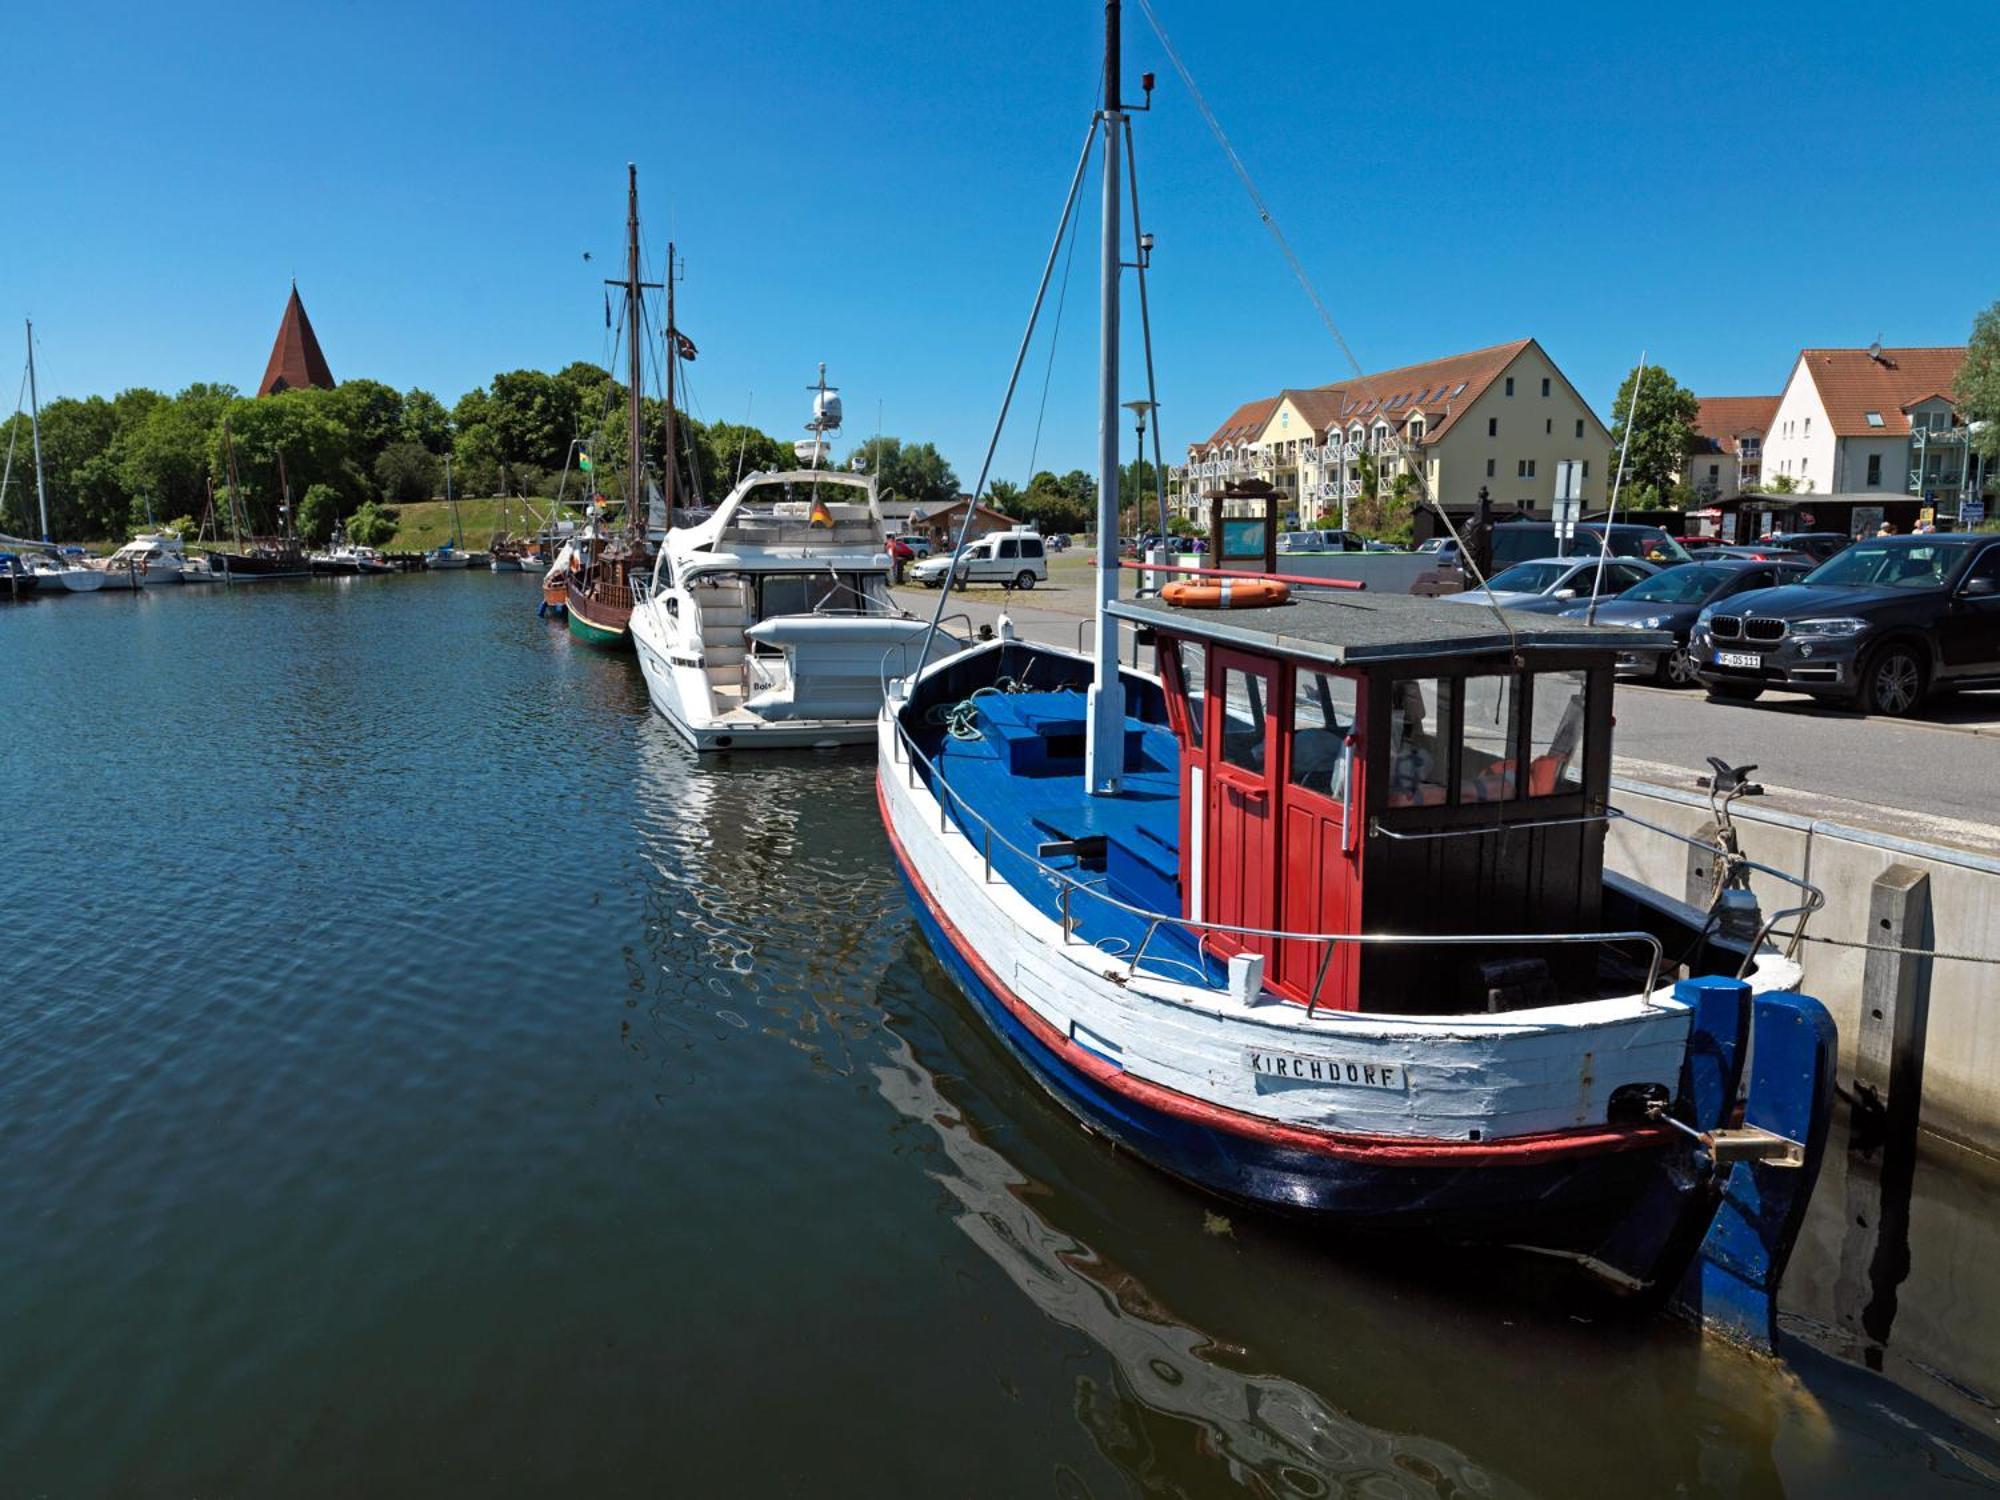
428,524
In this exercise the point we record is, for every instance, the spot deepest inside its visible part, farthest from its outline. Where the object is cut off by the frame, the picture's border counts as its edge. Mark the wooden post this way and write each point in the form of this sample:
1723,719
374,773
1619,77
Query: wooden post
1882,1127
1895,995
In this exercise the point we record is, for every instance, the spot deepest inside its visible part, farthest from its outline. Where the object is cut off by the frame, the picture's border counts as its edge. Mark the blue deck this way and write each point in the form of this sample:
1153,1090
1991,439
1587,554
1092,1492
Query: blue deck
1024,775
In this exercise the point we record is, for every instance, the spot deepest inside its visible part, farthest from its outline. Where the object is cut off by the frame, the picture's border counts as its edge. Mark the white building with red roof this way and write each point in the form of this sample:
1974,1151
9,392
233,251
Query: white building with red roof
1497,420
1729,452
1872,421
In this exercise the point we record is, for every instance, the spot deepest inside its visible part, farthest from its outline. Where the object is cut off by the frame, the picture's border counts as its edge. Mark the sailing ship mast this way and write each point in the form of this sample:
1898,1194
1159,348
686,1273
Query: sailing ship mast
35,426
635,489
1104,734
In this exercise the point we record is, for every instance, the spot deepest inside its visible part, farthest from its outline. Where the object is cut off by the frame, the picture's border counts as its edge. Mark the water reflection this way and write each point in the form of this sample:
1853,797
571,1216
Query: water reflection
1223,1350
1265,1432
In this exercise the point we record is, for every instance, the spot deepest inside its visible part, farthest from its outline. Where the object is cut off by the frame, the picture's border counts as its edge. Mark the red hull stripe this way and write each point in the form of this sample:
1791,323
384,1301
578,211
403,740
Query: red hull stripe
1419,1151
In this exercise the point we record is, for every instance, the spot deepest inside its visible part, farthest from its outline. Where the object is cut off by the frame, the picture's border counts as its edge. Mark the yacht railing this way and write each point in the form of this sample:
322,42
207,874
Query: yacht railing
1070,889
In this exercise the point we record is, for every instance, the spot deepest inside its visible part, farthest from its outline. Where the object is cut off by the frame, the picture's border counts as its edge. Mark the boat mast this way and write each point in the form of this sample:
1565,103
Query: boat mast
229,457
635,498
1104,741
35,426
673,349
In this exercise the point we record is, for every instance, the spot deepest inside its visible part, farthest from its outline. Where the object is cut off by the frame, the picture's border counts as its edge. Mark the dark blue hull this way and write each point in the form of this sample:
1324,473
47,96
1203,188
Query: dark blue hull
1575,1204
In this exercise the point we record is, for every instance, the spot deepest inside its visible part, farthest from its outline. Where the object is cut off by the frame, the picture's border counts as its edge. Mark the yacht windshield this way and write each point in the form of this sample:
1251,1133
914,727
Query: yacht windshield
804,593
1923,566
1691,583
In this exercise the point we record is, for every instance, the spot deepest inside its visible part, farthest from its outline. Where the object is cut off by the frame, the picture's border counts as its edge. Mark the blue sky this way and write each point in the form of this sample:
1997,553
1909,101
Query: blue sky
874,186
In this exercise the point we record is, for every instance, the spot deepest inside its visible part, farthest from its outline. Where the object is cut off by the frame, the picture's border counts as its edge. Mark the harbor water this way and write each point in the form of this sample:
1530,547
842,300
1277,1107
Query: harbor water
420,1076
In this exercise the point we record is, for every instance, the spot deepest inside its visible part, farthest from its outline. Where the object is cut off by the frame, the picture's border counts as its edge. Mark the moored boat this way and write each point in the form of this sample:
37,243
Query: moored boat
598,582
1315,918
767,624
146,562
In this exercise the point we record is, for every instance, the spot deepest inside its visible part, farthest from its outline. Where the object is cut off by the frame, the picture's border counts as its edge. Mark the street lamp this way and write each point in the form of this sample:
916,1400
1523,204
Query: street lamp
1139,409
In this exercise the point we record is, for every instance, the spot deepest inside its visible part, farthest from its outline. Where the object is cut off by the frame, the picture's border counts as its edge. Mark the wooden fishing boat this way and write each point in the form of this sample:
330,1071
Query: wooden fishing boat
1315,917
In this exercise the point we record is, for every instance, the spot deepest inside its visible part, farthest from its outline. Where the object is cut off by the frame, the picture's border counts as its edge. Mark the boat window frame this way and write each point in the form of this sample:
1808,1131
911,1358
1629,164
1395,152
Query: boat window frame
1450,676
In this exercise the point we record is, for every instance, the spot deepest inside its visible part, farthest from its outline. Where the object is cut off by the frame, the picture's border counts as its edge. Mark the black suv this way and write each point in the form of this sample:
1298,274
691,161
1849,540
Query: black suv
1880,626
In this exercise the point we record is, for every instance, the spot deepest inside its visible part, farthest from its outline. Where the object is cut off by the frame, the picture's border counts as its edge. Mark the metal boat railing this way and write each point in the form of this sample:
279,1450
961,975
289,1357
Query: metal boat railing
1070,888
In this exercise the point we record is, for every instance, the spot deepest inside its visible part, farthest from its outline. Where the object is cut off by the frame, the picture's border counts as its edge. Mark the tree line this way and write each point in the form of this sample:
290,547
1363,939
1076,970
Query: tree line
144,458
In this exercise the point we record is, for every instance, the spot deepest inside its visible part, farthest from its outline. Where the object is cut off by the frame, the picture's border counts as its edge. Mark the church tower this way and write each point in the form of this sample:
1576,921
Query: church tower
295,358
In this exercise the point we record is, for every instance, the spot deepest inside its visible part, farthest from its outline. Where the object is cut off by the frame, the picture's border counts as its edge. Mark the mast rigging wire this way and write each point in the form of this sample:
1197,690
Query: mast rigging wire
1007,401
1611,516
1305,281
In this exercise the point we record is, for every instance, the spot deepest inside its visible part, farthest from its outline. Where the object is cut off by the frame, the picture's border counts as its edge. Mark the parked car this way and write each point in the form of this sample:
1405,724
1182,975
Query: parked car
1761,552
1518,541
1016,559
1321,541
1817,545
1523,541
1548,585
1671,600
918,545
1881,625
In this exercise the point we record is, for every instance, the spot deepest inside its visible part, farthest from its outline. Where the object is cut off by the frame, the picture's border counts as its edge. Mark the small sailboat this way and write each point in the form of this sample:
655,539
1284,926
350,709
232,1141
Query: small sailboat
59,570
770,622
597,584
1315,917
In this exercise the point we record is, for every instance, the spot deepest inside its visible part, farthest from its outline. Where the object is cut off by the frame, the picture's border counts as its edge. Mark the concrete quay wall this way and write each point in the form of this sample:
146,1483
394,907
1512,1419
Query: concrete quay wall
1961,1052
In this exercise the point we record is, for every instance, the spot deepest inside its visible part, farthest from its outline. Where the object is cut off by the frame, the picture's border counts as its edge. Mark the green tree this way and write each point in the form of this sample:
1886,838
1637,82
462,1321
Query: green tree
319,513
1663,435
426,421
914,472
1978,384
407,471
1004,494
80,459
371,525
294,437
727,449
164,455
372,414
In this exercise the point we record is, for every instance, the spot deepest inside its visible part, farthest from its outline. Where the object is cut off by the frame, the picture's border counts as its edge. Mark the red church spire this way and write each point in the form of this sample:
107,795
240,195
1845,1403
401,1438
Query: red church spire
295,358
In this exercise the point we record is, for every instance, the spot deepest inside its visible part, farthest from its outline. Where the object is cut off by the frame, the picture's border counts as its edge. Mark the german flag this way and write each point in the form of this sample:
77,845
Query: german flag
819,515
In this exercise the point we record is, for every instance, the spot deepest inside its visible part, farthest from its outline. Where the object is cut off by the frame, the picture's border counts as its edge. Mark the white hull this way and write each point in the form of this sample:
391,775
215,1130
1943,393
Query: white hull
72,580
449,564
681,694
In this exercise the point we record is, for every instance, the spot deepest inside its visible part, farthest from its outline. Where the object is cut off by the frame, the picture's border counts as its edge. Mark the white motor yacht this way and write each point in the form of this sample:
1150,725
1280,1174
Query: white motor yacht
146,562
769,622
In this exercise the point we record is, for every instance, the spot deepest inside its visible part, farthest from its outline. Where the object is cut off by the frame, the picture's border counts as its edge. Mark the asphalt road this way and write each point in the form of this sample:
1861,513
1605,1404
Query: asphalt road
1945,764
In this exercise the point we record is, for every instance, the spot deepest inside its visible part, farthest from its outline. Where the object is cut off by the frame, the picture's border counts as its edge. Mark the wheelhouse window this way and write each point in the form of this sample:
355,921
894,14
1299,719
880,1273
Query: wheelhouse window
1486,767
1555,734
1243,724
1322,720
1191,659
1417,764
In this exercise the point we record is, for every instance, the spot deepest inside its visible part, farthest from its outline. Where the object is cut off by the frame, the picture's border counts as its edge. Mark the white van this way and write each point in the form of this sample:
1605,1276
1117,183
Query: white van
1014,559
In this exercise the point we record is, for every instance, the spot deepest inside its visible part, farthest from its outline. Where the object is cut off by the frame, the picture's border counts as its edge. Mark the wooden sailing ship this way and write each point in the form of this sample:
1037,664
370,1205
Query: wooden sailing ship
597,585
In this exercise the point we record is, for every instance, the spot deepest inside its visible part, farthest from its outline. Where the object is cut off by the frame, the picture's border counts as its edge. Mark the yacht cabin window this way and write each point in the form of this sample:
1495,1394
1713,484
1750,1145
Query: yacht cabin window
802,593
1486,766
1555,734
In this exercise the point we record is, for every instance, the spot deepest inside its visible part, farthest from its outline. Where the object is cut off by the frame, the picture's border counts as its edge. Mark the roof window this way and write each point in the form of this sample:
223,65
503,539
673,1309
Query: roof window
1874,419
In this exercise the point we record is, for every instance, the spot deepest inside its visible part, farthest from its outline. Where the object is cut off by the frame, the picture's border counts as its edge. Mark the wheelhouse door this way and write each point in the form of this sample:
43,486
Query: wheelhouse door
1319,887
1240,863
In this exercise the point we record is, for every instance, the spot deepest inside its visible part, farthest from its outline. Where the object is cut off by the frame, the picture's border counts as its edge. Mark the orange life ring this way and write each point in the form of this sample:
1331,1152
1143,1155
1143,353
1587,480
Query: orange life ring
1227,593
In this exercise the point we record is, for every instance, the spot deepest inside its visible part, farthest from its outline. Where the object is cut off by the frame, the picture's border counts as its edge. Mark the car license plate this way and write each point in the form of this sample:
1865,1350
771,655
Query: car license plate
1738,659
1328,1070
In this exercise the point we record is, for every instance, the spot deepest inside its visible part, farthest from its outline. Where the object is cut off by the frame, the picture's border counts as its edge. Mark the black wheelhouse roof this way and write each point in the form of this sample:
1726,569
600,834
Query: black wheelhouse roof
1357,629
